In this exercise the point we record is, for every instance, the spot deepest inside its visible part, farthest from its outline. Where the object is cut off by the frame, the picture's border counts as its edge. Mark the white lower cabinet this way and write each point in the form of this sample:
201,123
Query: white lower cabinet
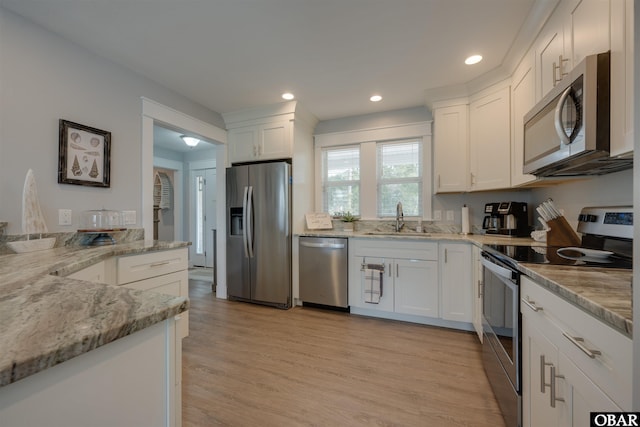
416,287
478,290
123,383
164,272
573,364
422,281
409,279
457,282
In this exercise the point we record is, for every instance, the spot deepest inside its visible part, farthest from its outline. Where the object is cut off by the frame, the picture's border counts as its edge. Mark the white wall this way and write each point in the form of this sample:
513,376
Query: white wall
44,78
375,120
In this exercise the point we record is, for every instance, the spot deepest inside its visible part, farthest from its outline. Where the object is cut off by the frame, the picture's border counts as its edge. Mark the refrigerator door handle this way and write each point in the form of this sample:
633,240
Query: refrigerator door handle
248,223
244,222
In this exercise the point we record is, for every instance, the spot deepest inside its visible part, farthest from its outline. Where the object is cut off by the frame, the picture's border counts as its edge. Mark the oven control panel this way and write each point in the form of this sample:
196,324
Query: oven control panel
609,221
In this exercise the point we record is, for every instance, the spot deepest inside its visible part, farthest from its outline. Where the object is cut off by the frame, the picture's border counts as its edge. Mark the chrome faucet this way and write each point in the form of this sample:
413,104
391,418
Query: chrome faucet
399,217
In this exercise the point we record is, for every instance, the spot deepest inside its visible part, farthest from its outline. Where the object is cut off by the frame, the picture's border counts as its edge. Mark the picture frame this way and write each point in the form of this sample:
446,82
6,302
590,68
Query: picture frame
84,155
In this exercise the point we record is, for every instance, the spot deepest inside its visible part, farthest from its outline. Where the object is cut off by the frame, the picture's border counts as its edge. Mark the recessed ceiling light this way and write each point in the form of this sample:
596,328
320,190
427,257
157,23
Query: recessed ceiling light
288,96
375,98
473,59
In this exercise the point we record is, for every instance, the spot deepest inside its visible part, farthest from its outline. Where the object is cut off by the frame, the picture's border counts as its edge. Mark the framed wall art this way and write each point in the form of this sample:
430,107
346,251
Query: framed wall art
84,156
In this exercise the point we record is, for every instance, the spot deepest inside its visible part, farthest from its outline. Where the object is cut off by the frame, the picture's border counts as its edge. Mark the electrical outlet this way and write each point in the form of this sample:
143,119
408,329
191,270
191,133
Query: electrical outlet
437,215
129,217
64,216
449,215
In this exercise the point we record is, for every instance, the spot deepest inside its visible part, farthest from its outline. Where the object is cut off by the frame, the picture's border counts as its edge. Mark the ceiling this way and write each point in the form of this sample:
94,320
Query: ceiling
169,139
332,54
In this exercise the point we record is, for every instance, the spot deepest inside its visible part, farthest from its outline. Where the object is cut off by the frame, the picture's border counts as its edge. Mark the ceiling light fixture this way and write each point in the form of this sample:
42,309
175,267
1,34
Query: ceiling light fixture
375,98
288,96
190,140
473,59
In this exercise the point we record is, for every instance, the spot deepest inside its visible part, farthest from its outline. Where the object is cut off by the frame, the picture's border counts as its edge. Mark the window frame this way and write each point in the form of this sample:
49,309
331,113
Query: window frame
380,181
325,183
367,139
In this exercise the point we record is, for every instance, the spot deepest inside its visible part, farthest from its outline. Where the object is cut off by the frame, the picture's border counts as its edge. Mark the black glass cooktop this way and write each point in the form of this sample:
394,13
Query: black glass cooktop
558,256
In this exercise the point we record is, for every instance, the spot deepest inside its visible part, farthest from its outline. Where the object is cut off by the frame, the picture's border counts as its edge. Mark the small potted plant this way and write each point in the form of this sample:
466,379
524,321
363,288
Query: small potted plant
348,218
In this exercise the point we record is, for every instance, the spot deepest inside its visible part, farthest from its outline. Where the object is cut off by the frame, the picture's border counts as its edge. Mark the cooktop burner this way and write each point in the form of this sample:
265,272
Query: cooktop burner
577,257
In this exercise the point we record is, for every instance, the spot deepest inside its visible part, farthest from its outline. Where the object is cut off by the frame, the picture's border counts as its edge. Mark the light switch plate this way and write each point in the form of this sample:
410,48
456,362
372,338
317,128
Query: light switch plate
437,215
129,217
64,216
450,216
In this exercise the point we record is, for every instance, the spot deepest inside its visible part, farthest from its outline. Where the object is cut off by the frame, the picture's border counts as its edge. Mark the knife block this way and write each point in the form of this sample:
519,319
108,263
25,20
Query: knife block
561,233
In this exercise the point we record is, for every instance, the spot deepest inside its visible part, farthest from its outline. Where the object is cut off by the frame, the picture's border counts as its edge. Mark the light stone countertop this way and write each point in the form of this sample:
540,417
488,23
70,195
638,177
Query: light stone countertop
604,293
46,318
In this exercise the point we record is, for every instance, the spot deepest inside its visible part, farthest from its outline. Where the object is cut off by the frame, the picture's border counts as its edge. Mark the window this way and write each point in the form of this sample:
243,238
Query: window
399,177
341,179
368,171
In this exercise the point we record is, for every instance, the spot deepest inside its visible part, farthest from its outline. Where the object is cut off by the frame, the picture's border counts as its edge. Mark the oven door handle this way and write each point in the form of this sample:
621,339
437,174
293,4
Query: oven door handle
499,270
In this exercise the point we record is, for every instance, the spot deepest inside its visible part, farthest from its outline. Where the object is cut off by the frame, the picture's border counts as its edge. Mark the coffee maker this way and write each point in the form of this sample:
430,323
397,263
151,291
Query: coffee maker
507,218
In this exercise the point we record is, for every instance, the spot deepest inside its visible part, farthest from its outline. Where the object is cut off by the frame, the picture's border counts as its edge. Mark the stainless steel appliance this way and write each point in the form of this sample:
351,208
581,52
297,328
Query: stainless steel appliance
501,327
607,242
568,132
507,218
259,233
324,271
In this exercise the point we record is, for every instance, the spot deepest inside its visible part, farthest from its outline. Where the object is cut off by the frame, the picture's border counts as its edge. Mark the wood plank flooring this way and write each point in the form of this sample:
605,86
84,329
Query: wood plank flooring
249,365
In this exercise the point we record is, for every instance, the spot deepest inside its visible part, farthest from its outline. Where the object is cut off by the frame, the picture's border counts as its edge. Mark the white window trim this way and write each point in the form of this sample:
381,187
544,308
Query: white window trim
367,138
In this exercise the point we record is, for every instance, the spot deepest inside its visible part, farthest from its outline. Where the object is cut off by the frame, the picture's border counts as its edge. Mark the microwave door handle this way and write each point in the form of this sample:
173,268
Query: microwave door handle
558,117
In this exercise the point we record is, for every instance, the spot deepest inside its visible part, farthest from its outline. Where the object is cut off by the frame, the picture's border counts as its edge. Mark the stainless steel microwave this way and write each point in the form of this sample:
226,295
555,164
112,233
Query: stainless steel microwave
568,132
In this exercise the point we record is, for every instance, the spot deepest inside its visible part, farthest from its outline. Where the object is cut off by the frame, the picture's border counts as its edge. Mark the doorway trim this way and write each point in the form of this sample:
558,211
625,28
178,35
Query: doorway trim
154,112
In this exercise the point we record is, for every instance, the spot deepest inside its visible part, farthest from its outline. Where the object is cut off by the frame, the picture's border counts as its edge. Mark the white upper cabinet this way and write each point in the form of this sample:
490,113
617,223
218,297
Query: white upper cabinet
579,28
588,29
551,57
268,141
451,148
523,98
472,142
490,139
270,132
621,77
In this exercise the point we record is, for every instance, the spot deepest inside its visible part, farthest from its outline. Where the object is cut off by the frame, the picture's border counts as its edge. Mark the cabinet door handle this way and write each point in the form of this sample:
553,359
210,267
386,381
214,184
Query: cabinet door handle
445,255
389,269
397,270
531,304
480,285
159,264
578,342
553,399
439,186
543,367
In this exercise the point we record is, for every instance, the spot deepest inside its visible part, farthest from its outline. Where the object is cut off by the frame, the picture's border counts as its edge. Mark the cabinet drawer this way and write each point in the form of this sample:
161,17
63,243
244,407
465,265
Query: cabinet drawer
577,333
138,267
175,284
394,248
94,273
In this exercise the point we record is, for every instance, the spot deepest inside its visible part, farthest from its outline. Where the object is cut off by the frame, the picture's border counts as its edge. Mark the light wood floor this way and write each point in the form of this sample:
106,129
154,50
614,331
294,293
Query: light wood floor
249,365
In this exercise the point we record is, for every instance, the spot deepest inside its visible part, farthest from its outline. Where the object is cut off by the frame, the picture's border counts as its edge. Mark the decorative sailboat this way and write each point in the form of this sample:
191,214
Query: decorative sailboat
32,220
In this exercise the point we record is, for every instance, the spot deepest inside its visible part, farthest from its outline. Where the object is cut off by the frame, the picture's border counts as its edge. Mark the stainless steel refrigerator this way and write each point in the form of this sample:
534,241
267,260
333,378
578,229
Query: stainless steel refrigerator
259,233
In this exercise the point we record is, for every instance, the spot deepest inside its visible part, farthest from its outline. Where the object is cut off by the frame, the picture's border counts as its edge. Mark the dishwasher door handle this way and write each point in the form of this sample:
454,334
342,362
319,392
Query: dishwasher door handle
323,245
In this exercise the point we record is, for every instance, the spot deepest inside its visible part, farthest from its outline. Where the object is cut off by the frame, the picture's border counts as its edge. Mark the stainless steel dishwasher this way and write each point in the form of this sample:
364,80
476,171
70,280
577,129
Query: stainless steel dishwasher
323,271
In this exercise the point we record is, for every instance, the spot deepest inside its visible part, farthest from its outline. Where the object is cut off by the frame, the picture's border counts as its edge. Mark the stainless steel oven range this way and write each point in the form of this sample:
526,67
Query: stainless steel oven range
607,242
501,328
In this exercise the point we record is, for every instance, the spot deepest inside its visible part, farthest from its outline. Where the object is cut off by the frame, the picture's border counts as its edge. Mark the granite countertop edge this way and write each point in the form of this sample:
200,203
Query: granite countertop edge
591,293
48,318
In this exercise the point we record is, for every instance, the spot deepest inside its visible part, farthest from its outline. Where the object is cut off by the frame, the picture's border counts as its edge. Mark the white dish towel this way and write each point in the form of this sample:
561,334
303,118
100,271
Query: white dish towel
373,276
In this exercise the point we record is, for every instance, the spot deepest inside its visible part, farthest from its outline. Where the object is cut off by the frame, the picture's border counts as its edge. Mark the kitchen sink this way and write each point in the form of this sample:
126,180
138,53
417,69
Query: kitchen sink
396,233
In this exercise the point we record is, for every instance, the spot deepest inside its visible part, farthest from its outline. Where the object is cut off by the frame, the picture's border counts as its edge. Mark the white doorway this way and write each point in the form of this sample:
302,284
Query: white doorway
203,216
155,113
